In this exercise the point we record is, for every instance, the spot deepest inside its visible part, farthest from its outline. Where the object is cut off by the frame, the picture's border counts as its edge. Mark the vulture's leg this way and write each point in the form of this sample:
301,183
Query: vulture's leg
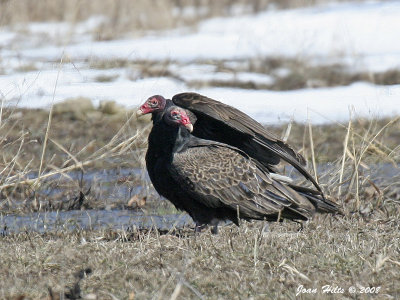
199,227
214,224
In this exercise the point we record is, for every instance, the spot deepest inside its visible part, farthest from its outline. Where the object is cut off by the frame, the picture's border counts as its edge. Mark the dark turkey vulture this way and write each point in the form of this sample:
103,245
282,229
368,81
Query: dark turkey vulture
213,181
219,122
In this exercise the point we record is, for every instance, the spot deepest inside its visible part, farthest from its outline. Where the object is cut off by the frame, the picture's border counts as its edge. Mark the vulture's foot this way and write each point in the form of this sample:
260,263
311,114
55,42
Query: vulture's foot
199,227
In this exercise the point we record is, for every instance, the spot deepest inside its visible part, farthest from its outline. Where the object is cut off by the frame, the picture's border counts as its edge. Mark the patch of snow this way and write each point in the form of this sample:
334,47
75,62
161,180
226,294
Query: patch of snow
6,37
235,65
217,76
322,105
52,29
206,73
254,77
36,89
355,33
282,72
93,23
192,71
190,11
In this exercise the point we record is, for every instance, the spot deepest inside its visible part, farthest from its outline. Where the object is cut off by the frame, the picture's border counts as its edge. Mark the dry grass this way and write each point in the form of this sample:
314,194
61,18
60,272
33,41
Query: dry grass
359,249
74,135
238,263
78,140
329,139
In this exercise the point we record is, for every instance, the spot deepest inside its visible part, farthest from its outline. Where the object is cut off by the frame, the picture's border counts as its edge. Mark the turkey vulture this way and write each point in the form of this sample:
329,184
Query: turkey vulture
223,123
213,181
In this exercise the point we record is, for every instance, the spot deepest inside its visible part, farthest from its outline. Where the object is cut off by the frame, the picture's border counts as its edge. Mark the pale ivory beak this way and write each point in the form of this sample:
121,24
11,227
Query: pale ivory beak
139,113
189,127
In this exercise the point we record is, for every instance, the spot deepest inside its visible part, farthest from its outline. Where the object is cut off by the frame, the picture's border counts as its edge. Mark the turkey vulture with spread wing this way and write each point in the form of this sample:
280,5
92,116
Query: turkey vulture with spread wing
223,123
213,181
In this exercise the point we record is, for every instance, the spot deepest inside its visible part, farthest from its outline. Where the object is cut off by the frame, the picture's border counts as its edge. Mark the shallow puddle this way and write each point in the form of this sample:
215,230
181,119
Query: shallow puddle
94,219
90,220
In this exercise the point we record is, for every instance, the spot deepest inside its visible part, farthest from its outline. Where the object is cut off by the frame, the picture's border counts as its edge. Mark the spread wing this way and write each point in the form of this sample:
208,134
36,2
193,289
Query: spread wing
260,144
221,176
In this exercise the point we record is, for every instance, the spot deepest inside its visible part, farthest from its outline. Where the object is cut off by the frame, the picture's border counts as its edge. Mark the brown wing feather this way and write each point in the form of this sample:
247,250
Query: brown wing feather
241,122
219,176
233,117
220,111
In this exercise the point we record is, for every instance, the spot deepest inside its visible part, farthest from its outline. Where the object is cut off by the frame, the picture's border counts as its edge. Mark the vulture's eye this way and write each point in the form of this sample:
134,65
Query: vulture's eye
153,102
175,115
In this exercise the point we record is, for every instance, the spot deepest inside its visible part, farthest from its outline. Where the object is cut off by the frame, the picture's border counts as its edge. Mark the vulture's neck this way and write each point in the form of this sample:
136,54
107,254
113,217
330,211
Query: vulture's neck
166,140
182,139
157,115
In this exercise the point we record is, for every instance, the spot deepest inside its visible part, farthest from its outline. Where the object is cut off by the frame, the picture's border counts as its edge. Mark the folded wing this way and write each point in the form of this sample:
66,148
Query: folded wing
224,123
220,176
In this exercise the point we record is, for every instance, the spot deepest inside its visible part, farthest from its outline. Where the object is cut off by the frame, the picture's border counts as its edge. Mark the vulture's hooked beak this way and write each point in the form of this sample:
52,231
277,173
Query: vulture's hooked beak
139,113
189,127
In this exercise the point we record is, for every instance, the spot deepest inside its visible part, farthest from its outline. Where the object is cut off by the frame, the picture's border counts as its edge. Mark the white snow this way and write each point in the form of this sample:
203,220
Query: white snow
319,105
323,105
364,35
361,35
253,77
36,89
6,37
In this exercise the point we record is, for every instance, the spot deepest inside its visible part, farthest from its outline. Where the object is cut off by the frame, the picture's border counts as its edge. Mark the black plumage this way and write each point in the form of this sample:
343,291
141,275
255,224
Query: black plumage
219,122
213,181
